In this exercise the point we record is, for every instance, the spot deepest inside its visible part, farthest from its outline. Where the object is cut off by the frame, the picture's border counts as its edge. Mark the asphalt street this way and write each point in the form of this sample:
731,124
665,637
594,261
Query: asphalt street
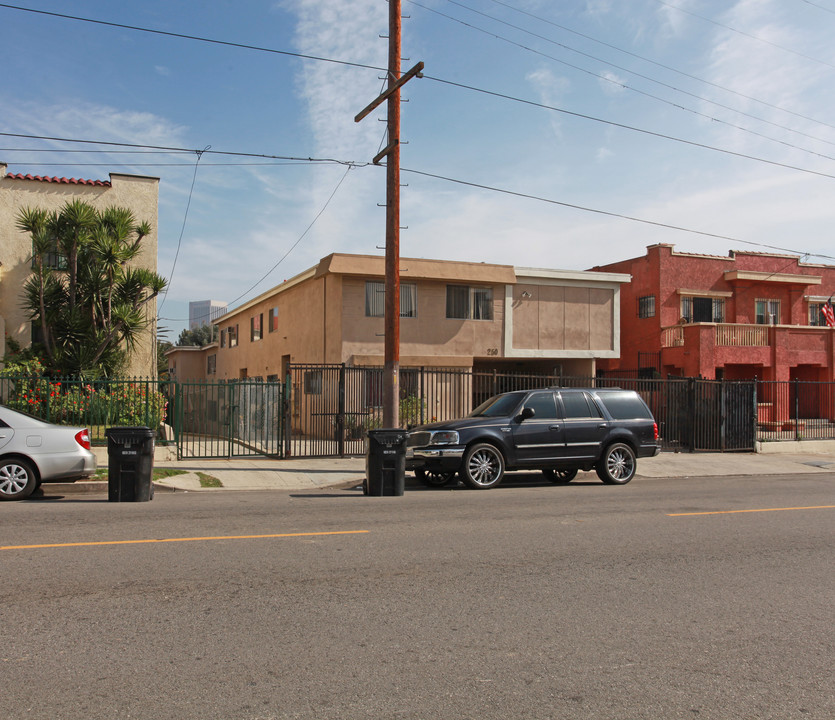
686,597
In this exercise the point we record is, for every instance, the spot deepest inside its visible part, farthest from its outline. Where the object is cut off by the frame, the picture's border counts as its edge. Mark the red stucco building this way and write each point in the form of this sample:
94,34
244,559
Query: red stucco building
738,317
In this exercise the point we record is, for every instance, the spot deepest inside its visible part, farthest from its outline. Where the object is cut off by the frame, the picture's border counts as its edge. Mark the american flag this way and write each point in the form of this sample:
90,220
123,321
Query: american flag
828,313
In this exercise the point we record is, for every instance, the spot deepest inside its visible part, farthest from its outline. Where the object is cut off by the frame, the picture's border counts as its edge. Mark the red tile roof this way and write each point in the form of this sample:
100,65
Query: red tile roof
63,180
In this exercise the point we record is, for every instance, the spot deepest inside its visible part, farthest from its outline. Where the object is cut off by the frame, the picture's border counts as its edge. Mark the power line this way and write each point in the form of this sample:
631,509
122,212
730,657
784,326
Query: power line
183,227
745,34
663,65
627,127
608,213
631,72
292,247
821,7
184,36
181,149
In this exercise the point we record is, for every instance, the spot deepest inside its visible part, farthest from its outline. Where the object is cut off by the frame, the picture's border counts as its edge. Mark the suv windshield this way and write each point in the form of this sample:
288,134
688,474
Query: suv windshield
498,405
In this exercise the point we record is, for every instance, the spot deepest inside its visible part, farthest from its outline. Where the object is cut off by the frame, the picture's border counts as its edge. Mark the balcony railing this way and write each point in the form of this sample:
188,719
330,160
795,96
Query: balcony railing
730,335
727,335
672,336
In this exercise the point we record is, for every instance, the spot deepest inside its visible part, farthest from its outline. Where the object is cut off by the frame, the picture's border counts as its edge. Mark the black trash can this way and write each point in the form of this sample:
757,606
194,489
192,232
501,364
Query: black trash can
130,464
385,462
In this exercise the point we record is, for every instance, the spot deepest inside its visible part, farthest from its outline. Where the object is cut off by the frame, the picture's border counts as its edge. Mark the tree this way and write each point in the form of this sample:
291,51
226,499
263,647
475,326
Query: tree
84,295
199,336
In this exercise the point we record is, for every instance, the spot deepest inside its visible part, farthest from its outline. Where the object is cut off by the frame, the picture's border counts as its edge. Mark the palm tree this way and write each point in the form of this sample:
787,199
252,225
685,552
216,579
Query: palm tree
90,305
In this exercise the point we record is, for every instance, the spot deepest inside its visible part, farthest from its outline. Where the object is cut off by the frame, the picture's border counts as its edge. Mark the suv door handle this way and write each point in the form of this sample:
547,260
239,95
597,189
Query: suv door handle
603,425
553,427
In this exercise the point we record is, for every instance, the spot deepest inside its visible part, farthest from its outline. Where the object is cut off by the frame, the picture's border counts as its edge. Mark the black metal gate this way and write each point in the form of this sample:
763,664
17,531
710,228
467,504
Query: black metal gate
233,419
333,406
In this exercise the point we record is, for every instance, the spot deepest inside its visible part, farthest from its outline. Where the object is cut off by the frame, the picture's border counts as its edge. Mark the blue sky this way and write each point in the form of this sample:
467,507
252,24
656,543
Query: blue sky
741,82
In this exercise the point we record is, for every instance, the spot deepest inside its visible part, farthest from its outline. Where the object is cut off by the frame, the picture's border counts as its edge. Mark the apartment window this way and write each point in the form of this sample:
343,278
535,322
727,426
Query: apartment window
273,319
702,309
255,324
816,316
375,299
223,338
211,364
767,312
469,303
232,332
646,306
53,259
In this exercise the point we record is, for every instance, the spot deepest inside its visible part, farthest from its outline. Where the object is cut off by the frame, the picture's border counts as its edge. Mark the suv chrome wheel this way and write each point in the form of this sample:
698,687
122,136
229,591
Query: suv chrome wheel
617,466
483,466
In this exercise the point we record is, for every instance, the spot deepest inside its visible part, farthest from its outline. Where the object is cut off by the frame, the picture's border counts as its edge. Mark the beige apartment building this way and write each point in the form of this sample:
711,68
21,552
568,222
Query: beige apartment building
17,191
463,315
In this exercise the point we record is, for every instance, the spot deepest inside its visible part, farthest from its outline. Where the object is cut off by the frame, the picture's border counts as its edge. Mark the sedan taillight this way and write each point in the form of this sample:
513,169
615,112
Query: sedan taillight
82,437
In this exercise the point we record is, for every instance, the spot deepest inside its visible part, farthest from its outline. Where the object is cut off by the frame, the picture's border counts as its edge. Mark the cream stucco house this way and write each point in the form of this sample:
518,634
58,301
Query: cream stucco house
138,193
453,315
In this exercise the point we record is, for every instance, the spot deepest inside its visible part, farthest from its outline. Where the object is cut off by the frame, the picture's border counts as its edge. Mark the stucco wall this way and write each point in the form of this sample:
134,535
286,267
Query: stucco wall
138,193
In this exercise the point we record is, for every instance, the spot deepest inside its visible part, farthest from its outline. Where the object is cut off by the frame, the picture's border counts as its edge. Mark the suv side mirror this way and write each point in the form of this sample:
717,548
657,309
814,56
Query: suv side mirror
527,412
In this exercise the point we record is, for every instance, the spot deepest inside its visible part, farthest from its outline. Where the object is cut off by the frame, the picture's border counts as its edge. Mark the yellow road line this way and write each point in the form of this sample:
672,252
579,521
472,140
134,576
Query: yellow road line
731,512
185,539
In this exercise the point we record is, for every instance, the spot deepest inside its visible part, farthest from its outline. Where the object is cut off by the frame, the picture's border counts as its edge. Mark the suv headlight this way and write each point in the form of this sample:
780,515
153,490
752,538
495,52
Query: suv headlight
444,437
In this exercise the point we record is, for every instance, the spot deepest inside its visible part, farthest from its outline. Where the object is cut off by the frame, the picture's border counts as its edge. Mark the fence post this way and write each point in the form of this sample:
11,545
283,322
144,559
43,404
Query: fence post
691,413
340,417
796,409
288,418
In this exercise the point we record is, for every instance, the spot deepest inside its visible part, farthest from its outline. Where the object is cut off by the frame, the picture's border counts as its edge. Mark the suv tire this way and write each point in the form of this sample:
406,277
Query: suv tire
560,477
617,466
483,466
434,478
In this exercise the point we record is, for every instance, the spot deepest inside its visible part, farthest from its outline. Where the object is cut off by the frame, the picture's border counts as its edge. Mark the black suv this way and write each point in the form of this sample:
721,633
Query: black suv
556,430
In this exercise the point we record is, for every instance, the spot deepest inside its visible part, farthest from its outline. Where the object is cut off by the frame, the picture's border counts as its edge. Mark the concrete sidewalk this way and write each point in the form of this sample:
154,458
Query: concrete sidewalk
298,474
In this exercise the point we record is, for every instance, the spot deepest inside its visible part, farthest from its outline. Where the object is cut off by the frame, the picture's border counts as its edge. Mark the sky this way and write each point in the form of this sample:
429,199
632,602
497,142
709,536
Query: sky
551,134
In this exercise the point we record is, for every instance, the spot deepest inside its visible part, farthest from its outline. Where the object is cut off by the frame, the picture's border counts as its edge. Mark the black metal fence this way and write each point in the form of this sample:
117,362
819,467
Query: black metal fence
326,410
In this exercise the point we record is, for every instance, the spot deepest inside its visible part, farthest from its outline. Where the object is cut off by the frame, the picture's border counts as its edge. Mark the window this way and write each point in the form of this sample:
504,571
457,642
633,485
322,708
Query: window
703,309
232,331
255,324
52,259
375,299
223,334
816,316
211,364
543,405
767,312
646,306
273,319
579,405
313,382
469,303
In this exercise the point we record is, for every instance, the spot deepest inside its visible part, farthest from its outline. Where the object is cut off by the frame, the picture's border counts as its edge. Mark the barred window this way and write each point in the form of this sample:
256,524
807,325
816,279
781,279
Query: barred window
702,309
646,306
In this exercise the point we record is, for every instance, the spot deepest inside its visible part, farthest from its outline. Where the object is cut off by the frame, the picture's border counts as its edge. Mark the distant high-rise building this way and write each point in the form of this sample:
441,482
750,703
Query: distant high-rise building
204,312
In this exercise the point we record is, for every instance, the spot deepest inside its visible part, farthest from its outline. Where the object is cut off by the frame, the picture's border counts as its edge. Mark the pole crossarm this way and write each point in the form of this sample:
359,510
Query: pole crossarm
416,71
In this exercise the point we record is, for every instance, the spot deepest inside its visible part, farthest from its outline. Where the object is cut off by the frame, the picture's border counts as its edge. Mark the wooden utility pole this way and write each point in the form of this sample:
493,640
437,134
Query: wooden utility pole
391,368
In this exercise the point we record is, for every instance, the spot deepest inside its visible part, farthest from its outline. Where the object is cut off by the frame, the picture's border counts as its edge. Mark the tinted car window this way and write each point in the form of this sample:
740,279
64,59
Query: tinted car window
579,405
625,405
498,405
543,405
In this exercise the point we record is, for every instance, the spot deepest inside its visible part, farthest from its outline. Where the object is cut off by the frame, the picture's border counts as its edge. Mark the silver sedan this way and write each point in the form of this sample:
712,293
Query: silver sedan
33,451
